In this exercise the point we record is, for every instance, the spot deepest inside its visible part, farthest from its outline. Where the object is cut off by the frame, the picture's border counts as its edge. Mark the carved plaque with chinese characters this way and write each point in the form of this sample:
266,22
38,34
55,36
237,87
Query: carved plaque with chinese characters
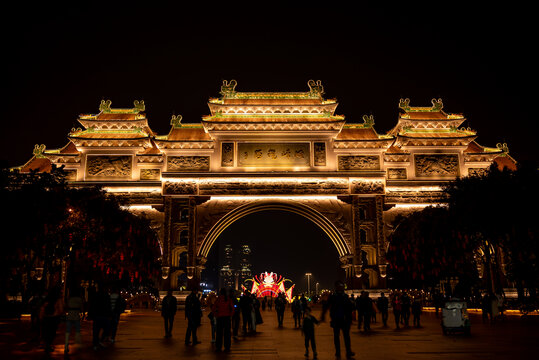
359,162
188,163
273,155
436,165
108,166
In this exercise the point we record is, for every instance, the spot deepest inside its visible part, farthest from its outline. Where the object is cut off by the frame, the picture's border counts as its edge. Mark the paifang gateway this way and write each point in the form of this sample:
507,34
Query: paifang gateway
261,151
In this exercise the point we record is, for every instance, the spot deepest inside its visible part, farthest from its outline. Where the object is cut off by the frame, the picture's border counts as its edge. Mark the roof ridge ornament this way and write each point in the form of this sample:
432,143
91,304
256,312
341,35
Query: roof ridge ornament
503,147
404,104
315,87
105,106
139,105
176,121
39,150
437,105
229,87
368,120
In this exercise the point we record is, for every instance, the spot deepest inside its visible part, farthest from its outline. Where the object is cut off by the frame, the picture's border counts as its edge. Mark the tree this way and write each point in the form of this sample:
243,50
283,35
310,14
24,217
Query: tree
52,226
425,248
492,210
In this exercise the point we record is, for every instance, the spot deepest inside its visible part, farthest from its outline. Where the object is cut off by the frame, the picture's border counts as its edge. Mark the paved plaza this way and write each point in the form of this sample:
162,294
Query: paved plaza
141,337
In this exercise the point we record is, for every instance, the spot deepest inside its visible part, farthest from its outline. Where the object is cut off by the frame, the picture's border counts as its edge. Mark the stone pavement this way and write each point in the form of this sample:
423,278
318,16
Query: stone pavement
140,336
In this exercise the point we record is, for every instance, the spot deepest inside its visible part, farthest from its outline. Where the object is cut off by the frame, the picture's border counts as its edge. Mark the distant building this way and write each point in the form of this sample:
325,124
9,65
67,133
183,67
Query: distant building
236,267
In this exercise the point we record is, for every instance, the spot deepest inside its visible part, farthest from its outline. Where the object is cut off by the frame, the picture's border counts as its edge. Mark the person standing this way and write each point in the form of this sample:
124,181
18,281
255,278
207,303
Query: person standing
246,305
74,308
280,304
340,313
367,312
296,311
117,305
406,304
169,307
193,314
304,304
397,308
50,314
308,331
223,309
256,316
210,301
100,312
416,310
270,303
383,307
236,314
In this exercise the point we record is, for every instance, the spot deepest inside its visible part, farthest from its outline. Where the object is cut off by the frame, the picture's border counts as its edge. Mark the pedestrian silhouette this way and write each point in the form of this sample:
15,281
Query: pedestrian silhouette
169,306
308,332
340,313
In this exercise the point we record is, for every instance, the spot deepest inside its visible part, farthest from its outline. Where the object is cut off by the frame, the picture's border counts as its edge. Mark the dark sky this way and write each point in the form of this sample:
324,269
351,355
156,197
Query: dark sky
62,60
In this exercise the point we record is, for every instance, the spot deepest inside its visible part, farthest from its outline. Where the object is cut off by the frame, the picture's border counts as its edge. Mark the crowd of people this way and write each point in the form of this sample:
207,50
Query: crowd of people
103,308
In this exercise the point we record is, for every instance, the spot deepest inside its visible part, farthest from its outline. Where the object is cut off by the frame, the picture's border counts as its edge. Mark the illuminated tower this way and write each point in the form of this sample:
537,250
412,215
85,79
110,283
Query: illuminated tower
226,273
245,267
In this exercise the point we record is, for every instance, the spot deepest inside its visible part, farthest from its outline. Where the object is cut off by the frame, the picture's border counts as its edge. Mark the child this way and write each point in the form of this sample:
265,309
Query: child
308,332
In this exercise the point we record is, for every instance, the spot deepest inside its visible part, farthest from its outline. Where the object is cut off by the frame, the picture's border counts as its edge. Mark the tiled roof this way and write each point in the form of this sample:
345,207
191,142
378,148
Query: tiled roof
292,118
39,164
506,162
357,134
121,117
187,134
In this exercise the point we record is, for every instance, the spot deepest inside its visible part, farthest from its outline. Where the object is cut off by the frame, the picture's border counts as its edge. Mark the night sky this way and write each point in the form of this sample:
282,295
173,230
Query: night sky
61,61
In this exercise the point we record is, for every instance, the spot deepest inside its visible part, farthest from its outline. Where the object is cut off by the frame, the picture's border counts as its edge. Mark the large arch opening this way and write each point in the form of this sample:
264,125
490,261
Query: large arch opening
282,241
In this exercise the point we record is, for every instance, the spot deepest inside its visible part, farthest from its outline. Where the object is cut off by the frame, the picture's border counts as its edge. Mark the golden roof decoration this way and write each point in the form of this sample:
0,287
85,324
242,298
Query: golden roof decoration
228,87
316,87
437,105
503,147
368,120
139,105
39,150
176,121
105,106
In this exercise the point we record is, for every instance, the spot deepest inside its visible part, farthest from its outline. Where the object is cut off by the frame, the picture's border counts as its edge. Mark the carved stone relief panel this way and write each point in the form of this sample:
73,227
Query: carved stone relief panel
108,166
436,165
248,186
181,187
367,186
273,154
319,154
150,174
188,163
227,154
477,171
359,162
396,173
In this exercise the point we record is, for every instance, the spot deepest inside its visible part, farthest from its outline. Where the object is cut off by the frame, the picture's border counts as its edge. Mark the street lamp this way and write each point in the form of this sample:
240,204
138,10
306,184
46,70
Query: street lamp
316,293
308,283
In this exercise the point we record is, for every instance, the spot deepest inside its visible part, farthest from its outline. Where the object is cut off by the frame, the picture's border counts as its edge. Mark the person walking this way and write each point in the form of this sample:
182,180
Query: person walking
308,332
193,314
223,309
280,304
416,310
397,308
304,304
296,311
50,314
340,313
367,313
383,306
246,305
169,307
117,305
74,308
100,312
360,310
